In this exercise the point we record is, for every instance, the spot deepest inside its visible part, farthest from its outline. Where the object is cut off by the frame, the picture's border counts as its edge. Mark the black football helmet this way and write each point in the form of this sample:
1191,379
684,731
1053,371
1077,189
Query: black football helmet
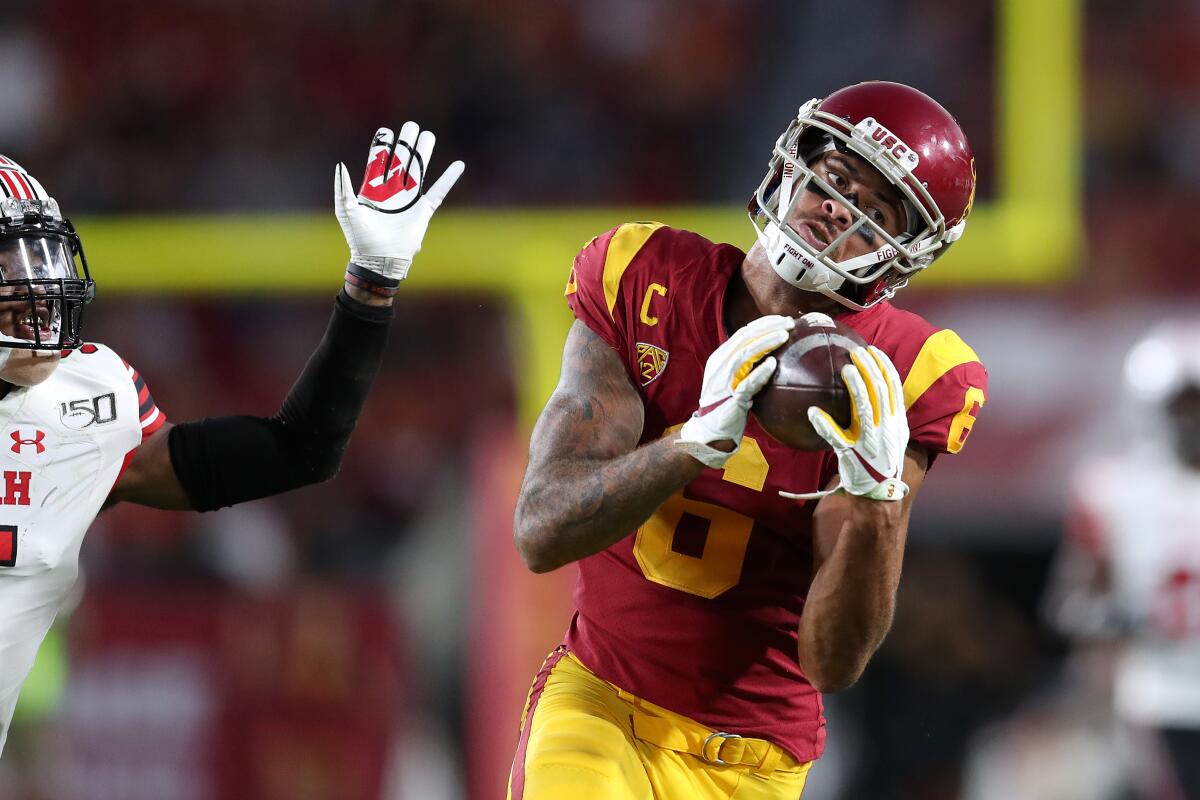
43,270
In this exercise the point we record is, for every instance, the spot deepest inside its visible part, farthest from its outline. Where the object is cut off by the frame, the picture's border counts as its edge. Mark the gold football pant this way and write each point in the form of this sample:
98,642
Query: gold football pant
584,739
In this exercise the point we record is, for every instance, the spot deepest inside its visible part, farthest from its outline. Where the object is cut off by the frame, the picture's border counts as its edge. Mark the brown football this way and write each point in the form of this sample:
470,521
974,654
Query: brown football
808,374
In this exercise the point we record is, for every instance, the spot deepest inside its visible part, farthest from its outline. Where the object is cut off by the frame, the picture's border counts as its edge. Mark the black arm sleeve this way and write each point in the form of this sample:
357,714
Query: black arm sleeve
226,460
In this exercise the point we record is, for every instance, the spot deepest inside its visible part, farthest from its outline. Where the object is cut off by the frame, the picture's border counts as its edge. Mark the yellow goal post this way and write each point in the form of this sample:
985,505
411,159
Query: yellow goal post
1028,233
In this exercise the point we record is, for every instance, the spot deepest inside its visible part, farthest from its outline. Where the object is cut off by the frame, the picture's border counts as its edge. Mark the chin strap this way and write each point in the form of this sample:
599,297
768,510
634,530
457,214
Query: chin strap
793,264
802,270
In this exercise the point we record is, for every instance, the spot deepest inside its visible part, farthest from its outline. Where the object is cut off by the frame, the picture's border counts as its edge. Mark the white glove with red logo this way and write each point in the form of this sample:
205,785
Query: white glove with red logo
385,223
871,453
730,382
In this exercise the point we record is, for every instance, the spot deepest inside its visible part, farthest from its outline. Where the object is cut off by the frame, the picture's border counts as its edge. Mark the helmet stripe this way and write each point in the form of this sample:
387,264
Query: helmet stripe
29,193
10,186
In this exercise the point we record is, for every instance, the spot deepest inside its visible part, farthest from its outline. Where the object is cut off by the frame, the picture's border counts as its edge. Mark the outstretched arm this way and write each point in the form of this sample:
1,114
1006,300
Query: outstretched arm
218,462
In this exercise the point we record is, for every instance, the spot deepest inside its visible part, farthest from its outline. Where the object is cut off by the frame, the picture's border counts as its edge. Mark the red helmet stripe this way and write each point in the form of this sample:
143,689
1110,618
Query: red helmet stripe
13,189
29,193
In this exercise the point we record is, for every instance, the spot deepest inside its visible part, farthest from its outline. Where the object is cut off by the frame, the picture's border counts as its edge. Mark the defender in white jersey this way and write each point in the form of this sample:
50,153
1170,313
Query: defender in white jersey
79,430
1130,569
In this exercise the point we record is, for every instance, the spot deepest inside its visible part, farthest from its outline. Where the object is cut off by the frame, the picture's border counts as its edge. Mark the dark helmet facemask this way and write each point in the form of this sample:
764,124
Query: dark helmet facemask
44,278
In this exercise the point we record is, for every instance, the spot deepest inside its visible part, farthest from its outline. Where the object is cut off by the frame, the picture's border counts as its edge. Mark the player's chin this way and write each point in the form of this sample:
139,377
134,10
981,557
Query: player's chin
29,367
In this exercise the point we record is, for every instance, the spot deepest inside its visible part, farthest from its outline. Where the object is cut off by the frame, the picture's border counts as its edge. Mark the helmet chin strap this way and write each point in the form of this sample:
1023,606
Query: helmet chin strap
805,272
793,264
802,271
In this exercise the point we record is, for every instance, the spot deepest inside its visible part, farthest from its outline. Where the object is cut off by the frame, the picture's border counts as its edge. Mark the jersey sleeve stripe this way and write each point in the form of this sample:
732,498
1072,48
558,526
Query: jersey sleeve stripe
623,246
151,427
151,418
942,352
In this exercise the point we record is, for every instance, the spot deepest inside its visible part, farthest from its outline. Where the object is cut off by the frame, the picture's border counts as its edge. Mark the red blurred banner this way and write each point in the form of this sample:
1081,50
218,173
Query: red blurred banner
202,694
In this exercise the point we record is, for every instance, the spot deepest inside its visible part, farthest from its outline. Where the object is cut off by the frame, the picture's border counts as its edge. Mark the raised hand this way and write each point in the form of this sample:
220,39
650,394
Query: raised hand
385,222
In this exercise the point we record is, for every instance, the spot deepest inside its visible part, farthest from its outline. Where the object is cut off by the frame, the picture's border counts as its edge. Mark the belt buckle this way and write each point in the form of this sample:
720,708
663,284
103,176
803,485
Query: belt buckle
717,735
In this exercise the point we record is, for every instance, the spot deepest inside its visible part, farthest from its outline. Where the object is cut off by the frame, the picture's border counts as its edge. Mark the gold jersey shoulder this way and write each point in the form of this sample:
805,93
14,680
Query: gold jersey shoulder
951,406
942,352
624,244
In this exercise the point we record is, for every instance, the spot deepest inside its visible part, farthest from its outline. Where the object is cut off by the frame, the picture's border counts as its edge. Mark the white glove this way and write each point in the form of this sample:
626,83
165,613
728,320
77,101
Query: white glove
730,382
871,453
385,223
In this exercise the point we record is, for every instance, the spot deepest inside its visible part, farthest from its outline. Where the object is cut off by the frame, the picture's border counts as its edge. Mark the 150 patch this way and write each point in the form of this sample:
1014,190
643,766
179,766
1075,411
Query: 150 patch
80,414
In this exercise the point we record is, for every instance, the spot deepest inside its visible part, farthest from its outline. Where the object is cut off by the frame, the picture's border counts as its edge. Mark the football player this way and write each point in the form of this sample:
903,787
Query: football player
1128,573
725,580
79,429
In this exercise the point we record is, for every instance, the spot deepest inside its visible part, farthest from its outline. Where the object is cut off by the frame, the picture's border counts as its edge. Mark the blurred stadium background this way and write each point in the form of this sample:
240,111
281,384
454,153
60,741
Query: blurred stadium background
374,637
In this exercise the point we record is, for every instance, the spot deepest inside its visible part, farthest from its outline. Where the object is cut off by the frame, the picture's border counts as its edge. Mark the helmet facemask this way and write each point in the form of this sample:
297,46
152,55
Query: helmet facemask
44,278
864,280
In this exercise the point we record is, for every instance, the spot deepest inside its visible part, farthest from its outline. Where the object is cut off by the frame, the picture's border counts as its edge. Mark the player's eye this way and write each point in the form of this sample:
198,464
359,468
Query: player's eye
835,180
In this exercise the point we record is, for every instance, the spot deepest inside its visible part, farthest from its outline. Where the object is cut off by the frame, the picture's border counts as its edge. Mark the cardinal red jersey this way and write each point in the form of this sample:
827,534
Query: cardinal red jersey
697,610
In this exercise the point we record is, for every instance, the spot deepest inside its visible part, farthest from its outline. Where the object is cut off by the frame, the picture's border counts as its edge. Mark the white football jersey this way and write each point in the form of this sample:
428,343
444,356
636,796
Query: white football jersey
63,444
1141,514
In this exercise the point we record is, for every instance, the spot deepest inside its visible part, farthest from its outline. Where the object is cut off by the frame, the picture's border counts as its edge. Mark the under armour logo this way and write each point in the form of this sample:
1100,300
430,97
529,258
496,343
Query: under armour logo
36,441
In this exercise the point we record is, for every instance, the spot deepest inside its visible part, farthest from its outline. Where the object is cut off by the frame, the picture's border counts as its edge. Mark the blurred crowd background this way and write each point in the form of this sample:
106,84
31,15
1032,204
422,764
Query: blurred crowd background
338,642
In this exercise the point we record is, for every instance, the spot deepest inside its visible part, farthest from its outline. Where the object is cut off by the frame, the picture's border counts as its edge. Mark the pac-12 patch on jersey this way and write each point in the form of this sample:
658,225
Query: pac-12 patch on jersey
652,360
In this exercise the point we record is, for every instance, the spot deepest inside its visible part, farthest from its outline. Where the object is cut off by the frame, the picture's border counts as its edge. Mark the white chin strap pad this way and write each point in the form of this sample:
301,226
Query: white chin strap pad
793,265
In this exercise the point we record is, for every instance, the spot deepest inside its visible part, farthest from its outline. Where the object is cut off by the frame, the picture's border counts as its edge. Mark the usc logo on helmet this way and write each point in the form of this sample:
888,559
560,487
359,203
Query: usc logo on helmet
886,140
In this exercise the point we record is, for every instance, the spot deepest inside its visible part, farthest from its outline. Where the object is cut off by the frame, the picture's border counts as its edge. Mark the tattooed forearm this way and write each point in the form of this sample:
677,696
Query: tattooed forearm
572,509
588,484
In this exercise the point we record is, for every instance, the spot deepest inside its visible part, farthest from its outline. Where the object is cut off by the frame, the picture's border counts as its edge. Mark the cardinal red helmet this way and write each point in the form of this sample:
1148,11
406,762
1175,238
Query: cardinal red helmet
914,143
43,272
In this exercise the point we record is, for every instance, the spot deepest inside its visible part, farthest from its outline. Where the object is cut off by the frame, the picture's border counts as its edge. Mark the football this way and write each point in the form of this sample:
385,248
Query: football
808,374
